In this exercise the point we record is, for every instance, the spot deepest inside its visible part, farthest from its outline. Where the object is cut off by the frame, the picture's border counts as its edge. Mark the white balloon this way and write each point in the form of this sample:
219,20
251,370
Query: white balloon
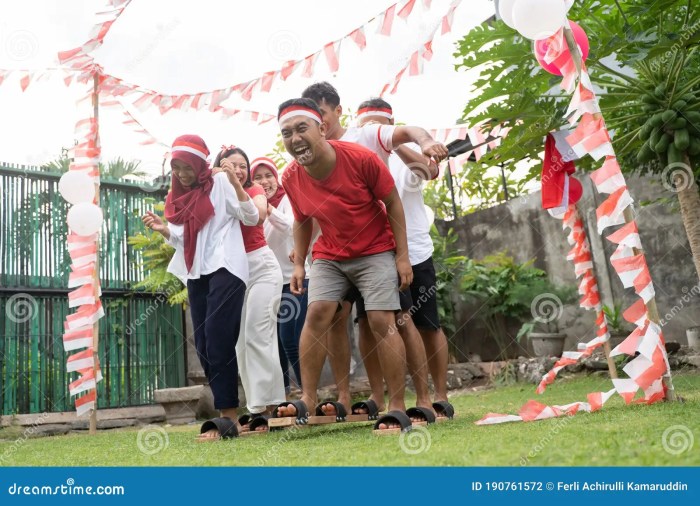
538,19
568,4
430,213
505,11
85,218
76,187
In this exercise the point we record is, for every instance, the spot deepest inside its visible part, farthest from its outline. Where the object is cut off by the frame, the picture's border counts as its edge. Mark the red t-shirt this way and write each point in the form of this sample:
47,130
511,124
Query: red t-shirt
253,237
347,204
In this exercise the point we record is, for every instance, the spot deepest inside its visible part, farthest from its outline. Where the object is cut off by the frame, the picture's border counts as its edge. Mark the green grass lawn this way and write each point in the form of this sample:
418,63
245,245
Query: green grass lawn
616,435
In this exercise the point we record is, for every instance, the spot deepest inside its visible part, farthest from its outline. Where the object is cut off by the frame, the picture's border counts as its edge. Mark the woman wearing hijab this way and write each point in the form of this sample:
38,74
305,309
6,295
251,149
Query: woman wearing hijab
204,214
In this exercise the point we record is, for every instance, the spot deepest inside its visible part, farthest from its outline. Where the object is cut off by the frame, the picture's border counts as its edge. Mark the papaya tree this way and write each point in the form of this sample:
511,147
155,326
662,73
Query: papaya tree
645,66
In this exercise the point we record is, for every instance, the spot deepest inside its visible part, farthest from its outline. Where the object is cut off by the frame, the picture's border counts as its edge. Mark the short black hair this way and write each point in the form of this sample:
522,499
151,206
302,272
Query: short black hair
322,91
234,151
304,102
375,102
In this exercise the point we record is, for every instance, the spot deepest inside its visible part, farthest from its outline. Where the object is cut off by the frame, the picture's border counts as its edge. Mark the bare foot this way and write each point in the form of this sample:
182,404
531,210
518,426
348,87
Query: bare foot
389,425
328,409
363,411
210,434
291,411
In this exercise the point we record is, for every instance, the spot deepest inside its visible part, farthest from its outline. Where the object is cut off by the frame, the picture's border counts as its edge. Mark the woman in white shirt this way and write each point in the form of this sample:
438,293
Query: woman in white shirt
204,213
278,233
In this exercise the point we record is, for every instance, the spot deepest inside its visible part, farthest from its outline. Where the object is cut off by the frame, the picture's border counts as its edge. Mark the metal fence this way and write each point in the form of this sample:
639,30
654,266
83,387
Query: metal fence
34,267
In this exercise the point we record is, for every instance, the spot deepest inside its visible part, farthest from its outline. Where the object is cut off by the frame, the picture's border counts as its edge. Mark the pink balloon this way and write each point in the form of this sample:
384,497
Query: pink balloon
541,47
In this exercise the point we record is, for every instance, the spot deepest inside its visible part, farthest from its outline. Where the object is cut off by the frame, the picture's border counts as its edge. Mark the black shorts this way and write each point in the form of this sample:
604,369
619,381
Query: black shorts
420,300
424,296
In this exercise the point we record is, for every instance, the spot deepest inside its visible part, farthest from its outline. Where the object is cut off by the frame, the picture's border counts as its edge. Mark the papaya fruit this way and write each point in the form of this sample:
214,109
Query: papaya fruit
681,139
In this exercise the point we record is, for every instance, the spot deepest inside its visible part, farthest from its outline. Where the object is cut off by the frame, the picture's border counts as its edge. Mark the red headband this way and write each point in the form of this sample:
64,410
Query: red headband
375,111
298,110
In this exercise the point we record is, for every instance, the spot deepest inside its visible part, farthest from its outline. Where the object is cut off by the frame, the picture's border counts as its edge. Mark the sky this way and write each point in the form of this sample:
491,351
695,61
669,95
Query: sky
176,46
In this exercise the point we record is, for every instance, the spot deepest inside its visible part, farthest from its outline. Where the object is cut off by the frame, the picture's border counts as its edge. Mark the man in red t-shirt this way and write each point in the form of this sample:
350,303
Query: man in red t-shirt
342,185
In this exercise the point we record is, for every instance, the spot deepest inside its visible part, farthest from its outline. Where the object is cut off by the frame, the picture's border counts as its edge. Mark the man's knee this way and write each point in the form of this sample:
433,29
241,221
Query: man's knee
381,323
319,316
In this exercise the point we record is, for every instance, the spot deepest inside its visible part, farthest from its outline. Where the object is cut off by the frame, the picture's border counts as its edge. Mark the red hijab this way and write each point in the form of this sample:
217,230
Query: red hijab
191,206
264,161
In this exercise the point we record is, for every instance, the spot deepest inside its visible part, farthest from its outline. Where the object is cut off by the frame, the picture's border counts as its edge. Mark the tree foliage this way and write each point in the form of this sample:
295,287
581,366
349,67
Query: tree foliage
634,48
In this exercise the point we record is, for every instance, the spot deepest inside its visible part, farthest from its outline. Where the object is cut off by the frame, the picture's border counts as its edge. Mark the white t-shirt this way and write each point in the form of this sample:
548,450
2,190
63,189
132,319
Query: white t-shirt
410,189
219,242
375,137
279,234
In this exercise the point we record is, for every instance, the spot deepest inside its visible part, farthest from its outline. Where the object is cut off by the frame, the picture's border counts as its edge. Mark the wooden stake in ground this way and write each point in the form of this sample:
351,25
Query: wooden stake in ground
96,325
652,311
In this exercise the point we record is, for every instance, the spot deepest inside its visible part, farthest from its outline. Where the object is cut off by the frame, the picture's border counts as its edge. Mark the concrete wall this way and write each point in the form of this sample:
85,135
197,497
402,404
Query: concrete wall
525,231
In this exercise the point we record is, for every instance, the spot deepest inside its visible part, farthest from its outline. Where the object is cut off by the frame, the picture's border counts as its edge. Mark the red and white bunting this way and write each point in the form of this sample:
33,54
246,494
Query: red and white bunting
85,403
608,178
610,212
591,137
79,338
331,51
387,20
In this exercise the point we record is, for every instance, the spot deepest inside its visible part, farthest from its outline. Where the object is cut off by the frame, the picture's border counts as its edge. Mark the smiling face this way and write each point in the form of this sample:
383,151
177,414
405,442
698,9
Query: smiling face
184,173
266,178
302,137
240,166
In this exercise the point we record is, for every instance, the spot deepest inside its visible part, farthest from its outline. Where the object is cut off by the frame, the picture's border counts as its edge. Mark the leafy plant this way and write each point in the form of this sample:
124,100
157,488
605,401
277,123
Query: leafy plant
449,264
156,255
504,290
546,310
613,316
645,65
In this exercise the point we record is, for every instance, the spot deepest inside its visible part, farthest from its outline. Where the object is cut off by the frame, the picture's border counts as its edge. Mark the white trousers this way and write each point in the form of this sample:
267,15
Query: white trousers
257,349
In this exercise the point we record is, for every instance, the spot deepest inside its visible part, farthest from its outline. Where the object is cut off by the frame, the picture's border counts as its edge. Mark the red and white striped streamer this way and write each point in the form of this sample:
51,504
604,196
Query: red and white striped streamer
414,62
83,278
647,370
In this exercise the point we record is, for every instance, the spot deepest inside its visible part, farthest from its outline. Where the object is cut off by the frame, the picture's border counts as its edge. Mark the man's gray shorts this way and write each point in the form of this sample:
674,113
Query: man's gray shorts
375,276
